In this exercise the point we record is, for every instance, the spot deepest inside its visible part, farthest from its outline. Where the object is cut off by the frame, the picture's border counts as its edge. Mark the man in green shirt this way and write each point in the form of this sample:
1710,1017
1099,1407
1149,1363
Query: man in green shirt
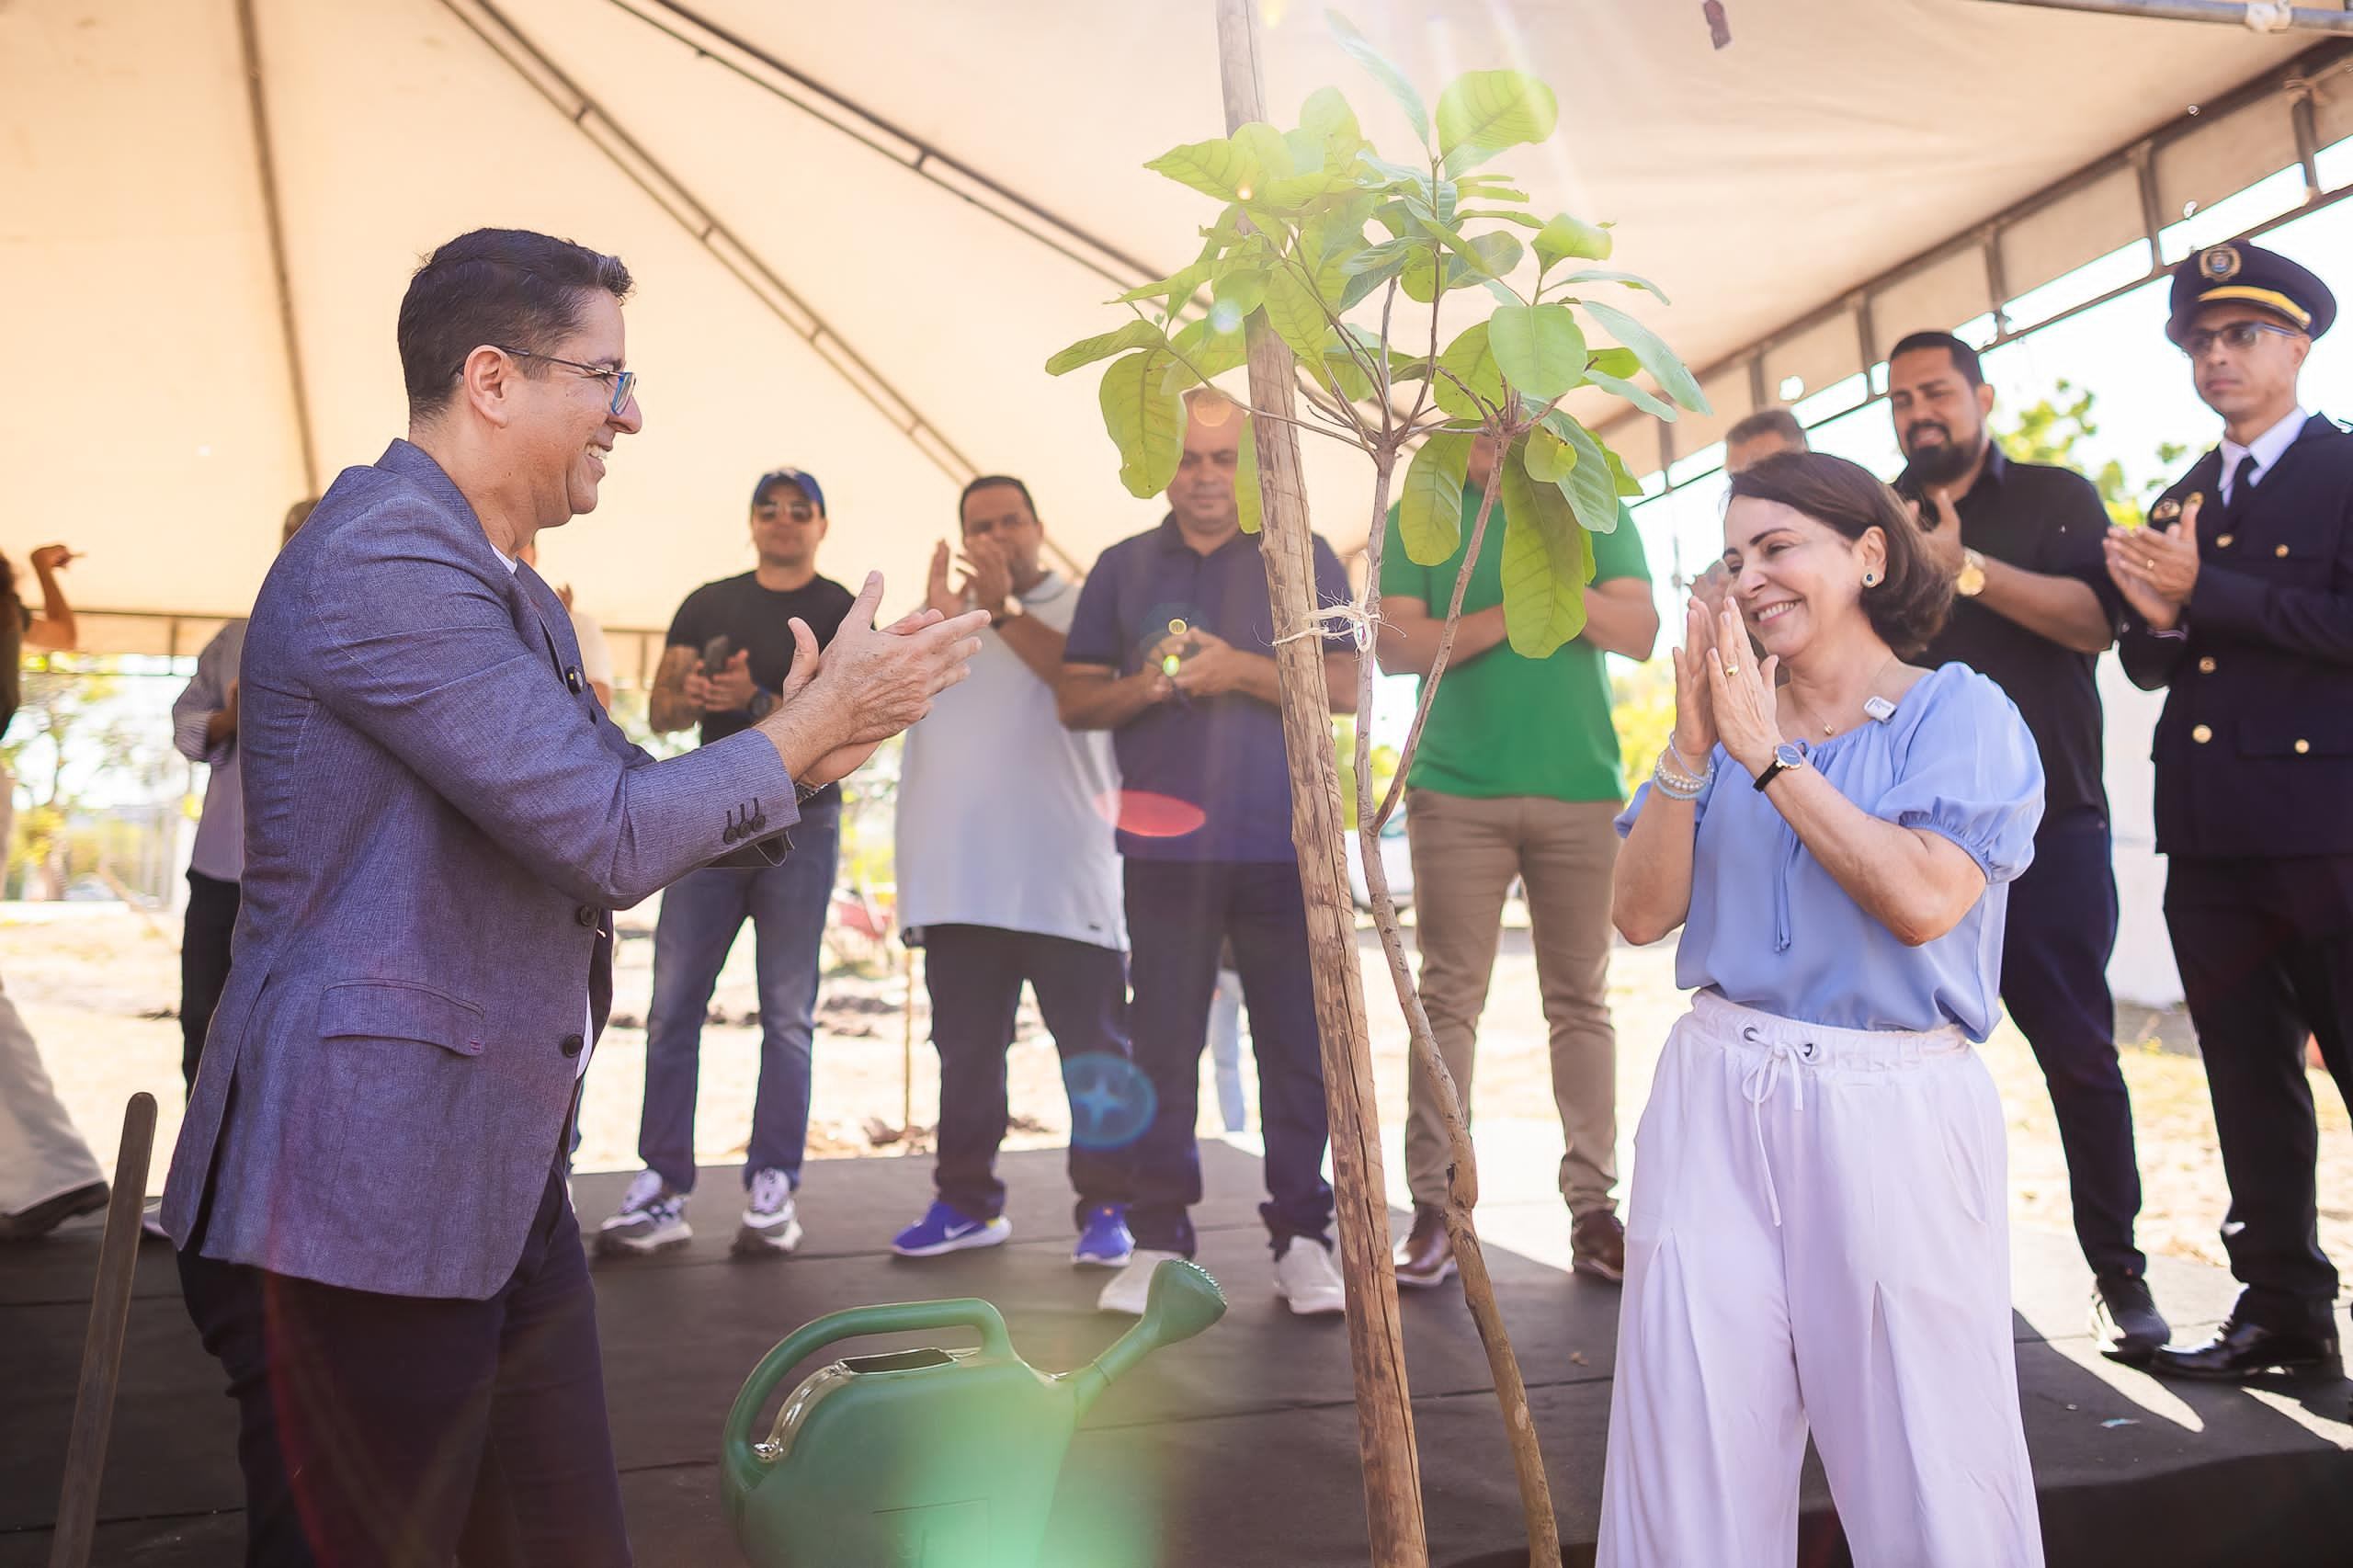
1517,776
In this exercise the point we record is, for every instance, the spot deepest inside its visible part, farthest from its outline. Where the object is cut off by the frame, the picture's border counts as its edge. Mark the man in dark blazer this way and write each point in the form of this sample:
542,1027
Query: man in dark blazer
368,1193
2239,600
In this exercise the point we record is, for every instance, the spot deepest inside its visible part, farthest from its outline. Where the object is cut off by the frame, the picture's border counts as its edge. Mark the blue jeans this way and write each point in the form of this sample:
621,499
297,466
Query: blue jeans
975,974
1179,913
701,914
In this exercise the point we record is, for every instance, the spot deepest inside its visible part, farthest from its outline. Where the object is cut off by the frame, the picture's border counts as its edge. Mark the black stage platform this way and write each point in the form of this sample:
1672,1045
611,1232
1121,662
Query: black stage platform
1235,1450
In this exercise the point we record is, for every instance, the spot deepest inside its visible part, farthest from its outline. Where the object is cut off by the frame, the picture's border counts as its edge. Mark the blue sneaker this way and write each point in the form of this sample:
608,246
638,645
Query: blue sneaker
1103,1240
943,1229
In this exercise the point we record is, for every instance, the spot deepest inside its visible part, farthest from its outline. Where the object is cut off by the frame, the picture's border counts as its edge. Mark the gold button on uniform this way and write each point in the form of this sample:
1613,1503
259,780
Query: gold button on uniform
2224,542
2201,734
2303,747
2206,666
2283,551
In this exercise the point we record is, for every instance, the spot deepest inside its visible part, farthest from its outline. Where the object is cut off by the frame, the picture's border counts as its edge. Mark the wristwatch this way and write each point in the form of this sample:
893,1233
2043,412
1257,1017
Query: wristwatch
1971,582
1787,759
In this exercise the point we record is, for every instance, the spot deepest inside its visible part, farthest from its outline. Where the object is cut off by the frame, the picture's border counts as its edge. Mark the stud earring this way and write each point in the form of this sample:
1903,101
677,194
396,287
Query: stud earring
1870,579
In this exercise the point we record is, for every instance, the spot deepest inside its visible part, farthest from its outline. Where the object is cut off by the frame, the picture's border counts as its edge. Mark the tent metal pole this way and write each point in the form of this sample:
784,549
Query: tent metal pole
869,126
704,226
2256,17
266,163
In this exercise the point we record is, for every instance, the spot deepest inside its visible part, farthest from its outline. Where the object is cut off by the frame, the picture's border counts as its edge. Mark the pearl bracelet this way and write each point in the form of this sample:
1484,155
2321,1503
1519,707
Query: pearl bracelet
1675,786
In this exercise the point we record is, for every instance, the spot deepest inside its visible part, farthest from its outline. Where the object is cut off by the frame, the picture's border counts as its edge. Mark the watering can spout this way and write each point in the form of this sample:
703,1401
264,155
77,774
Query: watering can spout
1183,1300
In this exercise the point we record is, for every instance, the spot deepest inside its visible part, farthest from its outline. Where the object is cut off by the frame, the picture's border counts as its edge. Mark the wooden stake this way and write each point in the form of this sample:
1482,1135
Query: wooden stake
85,1441
1376,1342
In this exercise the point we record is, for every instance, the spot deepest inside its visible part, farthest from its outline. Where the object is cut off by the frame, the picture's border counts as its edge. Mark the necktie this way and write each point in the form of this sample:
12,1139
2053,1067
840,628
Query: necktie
2242,480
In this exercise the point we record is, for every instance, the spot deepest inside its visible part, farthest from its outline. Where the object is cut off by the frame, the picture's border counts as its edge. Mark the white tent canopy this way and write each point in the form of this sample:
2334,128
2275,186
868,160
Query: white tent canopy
827,278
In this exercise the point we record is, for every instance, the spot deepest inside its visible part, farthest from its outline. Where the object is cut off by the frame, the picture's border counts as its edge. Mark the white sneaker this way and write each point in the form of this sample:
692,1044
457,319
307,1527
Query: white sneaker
771,1220
1128,1288
1306,1276
652,1217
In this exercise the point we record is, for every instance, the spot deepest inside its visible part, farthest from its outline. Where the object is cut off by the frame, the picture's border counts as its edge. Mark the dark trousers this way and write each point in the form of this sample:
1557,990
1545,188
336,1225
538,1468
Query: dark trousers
2054,983
2266,952
1179,913
204,961
395,1431
975,974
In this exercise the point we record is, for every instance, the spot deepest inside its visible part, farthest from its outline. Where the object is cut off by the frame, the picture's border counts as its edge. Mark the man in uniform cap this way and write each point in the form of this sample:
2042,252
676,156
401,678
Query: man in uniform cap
2239,600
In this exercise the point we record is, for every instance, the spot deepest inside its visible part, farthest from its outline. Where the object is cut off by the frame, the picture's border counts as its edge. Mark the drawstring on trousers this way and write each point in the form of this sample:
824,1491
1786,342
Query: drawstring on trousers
1757,1087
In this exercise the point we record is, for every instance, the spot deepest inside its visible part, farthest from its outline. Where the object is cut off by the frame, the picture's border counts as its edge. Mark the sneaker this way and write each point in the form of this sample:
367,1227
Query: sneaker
652,1216
1103,1238
1128,1290
1306,1276
771,1223
50,1212
1426,1257
1597,1245
2125,1321
944,1228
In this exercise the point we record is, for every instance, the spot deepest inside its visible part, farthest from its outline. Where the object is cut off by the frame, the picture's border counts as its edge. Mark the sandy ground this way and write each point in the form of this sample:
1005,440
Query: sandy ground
99,984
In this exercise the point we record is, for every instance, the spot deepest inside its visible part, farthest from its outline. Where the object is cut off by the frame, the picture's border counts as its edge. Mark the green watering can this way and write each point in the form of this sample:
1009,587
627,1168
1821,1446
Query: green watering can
923,1458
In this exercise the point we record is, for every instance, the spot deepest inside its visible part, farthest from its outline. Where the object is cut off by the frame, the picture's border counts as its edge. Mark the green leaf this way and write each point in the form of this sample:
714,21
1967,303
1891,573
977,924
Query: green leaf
1431,271
1540,349
1655,355
1566,237
1617,362
1589,487
1342,371
1135,335
1494,110
1374,258
1525,220
1207,353
1490,188
1292,311
1267,153
1222,168
1240,290
1429,507
1631,280
1548,457
1627,484
1326,118
1146,421
1363,281
1474,365
1543,564
1640,397
1248,501
1497,253
1377,65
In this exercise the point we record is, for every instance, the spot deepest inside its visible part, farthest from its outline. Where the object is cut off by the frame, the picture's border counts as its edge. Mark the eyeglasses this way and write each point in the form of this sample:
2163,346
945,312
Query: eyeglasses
799,511
2238,335
624,381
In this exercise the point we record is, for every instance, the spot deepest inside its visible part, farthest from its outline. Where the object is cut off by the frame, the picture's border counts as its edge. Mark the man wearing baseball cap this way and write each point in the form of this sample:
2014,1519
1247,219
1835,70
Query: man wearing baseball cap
2239,601
729,650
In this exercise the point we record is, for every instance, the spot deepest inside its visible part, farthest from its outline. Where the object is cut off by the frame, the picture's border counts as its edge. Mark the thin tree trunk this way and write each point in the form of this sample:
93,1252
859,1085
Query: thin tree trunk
1376,1341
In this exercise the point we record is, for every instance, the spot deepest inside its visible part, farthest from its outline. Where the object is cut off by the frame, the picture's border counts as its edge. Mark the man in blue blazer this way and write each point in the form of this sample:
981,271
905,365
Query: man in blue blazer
368,1193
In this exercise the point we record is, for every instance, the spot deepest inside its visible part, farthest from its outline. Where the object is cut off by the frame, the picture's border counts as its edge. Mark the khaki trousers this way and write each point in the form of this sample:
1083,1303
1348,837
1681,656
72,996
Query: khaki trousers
1466,853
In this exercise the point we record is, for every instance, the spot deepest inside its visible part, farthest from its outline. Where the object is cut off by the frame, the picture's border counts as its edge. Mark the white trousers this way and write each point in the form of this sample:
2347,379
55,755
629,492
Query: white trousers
41,1155
1817,1237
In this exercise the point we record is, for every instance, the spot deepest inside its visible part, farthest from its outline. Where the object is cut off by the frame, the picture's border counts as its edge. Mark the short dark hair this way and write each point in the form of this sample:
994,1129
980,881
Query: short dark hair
1775,421
1909,605
986,481
495,286
1964,357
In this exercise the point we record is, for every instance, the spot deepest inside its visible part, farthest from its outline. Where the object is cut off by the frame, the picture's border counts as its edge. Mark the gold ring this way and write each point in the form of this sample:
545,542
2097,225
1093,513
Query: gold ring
2148,563
1731,670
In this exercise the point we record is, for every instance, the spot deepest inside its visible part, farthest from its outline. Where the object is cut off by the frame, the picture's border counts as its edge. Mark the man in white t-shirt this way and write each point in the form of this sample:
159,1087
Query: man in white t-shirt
1008,874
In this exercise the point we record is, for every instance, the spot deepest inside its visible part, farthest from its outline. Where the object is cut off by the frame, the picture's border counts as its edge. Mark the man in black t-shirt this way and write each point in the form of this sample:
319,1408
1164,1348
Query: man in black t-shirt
729,650
2032,609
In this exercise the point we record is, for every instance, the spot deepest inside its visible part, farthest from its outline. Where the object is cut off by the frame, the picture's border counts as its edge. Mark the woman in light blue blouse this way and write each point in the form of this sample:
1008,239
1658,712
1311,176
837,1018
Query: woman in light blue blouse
1818,1235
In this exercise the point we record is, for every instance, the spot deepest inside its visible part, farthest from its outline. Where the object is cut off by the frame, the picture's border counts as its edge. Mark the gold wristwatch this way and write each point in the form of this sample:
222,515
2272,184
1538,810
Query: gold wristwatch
1971,579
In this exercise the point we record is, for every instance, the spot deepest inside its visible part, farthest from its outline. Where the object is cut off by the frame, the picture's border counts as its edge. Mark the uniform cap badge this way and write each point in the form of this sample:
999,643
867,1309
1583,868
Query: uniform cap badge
2219,264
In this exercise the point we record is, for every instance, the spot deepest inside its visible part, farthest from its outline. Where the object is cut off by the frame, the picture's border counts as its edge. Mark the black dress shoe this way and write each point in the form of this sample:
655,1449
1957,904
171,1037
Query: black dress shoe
2125,1320
2241,1350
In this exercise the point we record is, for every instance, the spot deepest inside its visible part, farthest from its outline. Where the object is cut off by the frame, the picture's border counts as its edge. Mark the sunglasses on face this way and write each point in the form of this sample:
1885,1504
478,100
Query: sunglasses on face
2238,335
769,511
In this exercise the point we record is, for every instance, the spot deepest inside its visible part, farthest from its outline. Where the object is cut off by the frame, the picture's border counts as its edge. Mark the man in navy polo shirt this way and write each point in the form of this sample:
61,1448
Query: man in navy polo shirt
1205,831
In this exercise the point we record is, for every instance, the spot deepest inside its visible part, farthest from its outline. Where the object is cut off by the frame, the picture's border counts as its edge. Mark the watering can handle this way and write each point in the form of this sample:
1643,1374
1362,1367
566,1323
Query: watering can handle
743,1465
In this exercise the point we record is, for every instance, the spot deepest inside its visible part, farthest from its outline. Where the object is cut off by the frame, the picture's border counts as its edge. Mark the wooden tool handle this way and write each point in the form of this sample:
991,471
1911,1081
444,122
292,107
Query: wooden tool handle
85,1443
